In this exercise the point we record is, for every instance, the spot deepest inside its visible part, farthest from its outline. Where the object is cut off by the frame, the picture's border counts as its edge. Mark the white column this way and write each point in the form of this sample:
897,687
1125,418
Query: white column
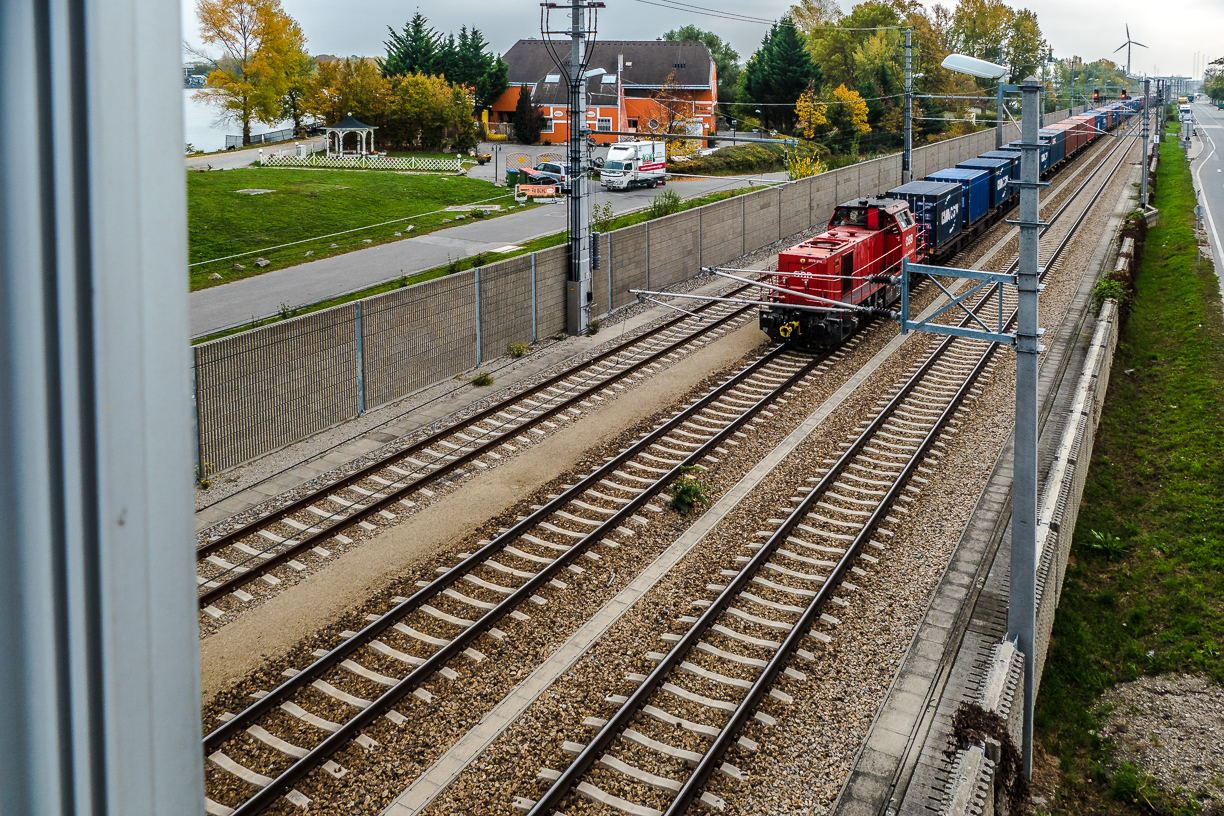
100,676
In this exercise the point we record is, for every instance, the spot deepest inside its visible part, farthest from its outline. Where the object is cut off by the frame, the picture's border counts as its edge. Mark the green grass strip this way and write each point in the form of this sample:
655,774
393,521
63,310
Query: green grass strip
462,264
1144,590
303,204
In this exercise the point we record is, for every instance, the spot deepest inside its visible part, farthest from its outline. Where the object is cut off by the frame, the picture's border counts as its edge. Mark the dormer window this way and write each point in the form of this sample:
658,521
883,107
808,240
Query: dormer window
552,78
679,65
608,79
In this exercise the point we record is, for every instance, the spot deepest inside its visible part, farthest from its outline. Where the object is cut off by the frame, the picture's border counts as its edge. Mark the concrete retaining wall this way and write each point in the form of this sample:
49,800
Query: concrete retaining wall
272,386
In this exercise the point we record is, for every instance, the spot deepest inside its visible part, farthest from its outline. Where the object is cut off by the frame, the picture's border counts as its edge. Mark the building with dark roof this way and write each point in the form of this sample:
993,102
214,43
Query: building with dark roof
647,85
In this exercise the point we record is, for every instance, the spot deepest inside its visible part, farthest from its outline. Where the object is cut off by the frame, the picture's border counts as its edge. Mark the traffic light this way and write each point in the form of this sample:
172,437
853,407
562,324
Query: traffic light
1096,95
1125,95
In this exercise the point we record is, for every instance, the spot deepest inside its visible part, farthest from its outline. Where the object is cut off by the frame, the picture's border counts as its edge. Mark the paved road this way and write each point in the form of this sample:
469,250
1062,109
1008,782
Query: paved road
1208,169
241,301
234,159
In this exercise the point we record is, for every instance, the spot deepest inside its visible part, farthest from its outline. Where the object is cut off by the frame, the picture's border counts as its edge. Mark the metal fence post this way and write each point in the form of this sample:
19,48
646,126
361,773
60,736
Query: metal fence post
647,254
700,236
197,448
743,225
535,307
477,279
608,262
360,358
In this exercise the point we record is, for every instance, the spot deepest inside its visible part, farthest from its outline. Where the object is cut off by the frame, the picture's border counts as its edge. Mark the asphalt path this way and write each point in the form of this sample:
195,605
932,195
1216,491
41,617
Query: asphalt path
1208,170
245,157
233,304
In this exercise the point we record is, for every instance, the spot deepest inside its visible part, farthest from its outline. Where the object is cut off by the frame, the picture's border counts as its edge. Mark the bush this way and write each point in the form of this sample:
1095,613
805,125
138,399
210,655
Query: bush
602,215
1108,288
593,328
517,350
483,381
665,203
203,475
688,491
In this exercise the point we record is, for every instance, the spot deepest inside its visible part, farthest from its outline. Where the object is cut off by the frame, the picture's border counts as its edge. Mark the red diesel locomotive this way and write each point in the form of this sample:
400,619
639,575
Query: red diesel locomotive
866,240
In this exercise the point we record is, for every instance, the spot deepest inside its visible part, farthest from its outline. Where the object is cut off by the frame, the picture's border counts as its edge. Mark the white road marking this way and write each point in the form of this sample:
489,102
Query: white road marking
1215,236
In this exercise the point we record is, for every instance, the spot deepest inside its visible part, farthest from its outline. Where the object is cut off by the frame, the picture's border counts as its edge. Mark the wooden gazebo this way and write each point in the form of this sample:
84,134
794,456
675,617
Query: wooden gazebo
346,126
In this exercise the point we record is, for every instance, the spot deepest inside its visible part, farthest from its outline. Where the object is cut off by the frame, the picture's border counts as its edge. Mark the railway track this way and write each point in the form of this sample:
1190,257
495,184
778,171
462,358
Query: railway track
257,756
231,561
510,576
751,634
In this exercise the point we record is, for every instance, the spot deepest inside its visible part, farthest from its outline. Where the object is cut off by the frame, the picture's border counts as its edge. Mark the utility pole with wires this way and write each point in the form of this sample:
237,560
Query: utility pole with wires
907,154
1143,195
579,294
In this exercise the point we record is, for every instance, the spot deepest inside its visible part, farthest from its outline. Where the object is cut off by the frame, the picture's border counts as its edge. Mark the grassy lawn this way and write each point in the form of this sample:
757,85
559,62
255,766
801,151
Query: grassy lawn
459,265
1144,592
306,204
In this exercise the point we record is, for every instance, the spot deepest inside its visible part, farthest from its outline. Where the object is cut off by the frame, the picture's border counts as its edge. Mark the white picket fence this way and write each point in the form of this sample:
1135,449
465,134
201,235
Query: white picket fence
372,162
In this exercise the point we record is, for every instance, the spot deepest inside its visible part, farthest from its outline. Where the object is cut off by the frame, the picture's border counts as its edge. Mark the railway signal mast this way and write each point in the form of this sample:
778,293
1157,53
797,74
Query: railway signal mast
581,35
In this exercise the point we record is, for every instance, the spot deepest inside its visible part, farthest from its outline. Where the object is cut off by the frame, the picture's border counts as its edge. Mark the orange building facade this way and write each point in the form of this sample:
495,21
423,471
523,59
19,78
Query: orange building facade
636,86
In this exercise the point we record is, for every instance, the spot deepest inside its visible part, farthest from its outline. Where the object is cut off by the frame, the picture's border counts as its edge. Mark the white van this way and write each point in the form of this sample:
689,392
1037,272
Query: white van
634,164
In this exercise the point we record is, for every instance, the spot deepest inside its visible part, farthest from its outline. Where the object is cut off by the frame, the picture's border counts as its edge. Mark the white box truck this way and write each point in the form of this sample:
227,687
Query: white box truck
634,164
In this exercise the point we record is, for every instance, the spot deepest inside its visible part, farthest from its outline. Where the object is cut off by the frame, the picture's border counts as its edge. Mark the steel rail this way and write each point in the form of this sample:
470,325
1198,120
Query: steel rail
363,718
713,755
598,745
690,789
265,564
495,546
253,527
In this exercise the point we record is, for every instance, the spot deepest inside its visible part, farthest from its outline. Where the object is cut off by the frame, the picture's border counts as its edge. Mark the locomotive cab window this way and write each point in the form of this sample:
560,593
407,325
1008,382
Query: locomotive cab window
850,217
905,220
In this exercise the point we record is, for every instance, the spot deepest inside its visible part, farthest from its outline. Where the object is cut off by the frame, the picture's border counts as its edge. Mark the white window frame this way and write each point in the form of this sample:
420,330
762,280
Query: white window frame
599,124
547,126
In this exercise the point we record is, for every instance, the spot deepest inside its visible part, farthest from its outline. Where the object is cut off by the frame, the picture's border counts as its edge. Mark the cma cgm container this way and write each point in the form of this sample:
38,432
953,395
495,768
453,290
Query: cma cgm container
1044,154
1000,175
975,194
936,206
1012,157
1058,144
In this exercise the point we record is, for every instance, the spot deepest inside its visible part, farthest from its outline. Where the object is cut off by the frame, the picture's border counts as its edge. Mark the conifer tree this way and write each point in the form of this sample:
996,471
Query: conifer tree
492,84
413,51
526,118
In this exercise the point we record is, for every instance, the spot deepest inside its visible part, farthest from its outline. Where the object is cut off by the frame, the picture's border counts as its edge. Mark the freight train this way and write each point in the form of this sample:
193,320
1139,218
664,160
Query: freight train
925,221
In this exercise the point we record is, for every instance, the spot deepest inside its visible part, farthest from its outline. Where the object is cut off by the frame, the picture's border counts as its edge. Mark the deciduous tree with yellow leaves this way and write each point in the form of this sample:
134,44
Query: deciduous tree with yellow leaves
810,111
261,46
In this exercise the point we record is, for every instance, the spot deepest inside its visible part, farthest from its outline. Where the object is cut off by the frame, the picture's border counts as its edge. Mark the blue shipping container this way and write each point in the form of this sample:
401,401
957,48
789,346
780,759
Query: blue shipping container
1012,157
1058,144
936,207
975,200
1000,175
1045,155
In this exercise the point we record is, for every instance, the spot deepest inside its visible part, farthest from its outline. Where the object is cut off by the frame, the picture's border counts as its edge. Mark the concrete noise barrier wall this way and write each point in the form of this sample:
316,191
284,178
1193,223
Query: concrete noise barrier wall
269,387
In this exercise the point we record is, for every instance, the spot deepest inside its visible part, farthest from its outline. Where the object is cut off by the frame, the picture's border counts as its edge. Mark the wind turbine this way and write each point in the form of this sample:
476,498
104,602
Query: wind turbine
1129,42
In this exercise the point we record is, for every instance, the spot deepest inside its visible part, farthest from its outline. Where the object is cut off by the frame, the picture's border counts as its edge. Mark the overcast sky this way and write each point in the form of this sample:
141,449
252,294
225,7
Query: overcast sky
1173,30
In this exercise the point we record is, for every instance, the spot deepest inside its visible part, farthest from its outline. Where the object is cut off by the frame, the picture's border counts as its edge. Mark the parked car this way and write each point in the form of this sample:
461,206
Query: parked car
557,172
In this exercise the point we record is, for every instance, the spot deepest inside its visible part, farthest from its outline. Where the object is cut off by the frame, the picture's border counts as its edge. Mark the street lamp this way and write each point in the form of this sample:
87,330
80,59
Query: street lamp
982,69
733,123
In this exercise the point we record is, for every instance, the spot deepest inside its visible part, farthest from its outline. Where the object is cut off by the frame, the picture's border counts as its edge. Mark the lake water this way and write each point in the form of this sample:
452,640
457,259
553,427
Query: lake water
200,129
